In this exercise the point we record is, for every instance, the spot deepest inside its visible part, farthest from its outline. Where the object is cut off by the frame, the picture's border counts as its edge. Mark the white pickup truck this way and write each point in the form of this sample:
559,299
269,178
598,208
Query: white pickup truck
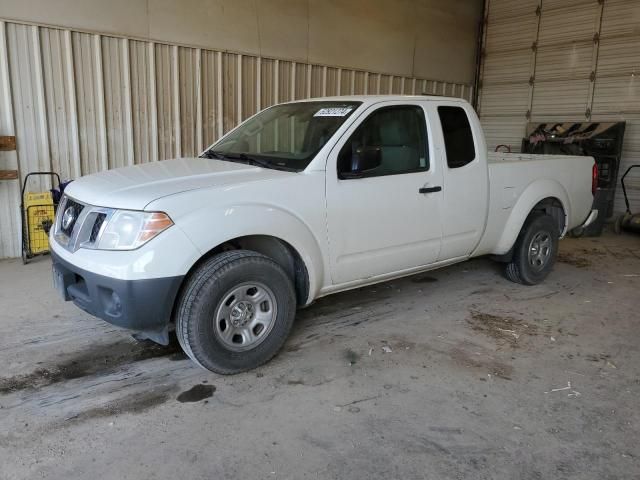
302,200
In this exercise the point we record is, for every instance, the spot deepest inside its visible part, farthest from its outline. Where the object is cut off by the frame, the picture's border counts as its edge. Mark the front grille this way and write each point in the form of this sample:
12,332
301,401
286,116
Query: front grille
75,209
95,229
82,226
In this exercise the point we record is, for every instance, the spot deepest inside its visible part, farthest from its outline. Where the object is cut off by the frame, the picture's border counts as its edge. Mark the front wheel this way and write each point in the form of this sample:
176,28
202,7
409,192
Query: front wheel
535,251
235,312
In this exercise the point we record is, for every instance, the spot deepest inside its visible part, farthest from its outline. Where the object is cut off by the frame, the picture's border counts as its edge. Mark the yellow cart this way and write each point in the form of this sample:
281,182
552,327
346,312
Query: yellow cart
38,214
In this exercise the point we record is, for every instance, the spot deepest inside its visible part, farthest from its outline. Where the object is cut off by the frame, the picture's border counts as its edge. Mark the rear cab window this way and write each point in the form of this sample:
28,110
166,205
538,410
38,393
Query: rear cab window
458,137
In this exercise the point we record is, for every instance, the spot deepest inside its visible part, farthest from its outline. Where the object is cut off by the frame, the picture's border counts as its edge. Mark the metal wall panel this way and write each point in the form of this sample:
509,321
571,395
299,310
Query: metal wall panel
567,96
144,121
9,189
331,82
87,58
248,86
189,63
568,24
503,130
512,33
563,62
619,56
617,95
504,99
117,101
27,88
302,80
211,95
230,91
507,67
621,17
57,69
502,9
166,88
318,81
81,103
268,85
585,66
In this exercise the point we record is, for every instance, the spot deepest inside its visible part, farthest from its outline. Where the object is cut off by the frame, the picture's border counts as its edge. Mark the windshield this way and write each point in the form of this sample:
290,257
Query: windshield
284,137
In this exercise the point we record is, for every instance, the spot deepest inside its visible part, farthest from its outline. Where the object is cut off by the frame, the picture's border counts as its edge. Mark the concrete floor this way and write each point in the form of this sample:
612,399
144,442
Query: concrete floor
481,378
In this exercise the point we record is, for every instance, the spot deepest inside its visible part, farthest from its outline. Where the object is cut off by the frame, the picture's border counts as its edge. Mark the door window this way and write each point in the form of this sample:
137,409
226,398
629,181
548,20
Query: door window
391,141
458,139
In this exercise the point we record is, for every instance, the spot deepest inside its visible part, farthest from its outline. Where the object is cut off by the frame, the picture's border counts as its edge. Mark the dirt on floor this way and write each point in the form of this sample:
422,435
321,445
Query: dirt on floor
456,373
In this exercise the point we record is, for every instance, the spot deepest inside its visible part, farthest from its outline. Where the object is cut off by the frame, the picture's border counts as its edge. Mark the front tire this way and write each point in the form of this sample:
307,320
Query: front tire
535,251
235,312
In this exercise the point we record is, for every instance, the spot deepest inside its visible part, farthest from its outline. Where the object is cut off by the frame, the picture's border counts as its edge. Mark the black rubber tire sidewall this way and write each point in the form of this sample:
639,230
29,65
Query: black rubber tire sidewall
534,225
207,286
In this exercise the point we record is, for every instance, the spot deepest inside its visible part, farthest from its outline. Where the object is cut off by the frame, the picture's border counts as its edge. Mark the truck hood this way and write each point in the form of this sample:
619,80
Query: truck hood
135,187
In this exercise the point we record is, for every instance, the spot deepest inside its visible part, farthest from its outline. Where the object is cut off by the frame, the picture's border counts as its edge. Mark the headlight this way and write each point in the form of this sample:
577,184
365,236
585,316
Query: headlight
128,230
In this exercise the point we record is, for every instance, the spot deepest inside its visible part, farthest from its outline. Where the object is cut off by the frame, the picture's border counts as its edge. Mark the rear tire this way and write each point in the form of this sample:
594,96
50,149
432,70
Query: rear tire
577,232
535,251
235,312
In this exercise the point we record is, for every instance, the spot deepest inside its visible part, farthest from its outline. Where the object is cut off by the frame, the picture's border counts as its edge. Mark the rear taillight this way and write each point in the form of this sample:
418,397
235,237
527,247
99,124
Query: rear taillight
594,179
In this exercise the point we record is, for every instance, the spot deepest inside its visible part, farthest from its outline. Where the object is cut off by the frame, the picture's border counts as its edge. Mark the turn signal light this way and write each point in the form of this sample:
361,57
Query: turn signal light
154,224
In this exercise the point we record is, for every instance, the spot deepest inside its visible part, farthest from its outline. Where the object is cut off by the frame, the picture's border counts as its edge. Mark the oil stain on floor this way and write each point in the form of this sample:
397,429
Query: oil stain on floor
196,393
94,360
133,403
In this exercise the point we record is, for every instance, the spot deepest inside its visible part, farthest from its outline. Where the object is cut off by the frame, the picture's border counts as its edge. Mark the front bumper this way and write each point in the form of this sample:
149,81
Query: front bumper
143,305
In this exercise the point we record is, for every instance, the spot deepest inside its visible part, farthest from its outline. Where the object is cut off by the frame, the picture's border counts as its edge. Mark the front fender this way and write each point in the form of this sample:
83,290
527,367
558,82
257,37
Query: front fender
530,197
211,227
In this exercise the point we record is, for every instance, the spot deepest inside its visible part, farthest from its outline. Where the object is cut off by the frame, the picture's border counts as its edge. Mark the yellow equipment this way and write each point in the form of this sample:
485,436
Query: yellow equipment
40,215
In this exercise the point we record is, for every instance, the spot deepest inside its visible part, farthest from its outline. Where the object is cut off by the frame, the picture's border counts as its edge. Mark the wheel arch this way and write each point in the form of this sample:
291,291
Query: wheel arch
547,196
270,229
277,249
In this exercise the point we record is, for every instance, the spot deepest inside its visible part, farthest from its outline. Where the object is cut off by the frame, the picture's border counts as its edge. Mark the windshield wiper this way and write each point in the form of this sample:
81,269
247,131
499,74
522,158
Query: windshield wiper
213,154
244,158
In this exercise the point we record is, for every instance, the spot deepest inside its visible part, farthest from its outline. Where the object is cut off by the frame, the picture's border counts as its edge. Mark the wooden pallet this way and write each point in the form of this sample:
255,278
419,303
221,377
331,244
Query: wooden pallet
7,143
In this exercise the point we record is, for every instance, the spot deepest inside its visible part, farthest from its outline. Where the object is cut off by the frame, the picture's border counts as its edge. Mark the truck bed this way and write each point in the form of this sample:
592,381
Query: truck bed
512,175
501,157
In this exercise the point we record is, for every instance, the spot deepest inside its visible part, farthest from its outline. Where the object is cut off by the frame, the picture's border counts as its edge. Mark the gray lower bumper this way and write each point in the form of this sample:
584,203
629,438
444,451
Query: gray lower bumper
141,305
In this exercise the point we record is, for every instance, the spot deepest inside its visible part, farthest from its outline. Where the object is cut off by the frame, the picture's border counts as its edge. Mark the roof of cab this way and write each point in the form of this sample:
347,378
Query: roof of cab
370,99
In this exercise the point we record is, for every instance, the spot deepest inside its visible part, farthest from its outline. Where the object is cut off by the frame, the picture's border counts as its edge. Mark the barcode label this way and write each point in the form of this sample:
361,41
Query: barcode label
333,112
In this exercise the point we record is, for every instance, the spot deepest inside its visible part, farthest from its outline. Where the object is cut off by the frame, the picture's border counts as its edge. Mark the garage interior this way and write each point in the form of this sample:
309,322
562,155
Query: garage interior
456,373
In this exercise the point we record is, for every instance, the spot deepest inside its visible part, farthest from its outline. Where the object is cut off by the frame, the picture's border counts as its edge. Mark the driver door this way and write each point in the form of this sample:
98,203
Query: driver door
384,195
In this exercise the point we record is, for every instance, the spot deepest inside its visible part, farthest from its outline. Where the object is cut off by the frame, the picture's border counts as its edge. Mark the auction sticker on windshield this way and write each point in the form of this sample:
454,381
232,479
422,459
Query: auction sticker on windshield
333,112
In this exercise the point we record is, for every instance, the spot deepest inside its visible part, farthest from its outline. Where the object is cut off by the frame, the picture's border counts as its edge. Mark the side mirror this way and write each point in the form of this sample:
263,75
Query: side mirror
363,160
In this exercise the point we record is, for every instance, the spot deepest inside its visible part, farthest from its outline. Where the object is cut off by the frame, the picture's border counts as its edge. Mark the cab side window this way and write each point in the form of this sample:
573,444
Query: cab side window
391,141
458,139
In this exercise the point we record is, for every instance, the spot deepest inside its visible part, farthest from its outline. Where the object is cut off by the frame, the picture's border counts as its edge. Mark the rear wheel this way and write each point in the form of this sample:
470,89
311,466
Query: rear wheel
577,232
535,251
236,312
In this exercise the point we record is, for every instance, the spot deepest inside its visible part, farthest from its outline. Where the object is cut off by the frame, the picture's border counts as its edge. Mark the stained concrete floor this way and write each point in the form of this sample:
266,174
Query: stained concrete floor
453,374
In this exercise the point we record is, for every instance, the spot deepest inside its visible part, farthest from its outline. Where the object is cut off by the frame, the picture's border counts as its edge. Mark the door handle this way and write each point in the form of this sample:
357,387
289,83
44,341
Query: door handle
430,189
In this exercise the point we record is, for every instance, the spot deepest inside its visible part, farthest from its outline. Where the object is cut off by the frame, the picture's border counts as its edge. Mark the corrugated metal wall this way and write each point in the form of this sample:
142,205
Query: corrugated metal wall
79,102
562,60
